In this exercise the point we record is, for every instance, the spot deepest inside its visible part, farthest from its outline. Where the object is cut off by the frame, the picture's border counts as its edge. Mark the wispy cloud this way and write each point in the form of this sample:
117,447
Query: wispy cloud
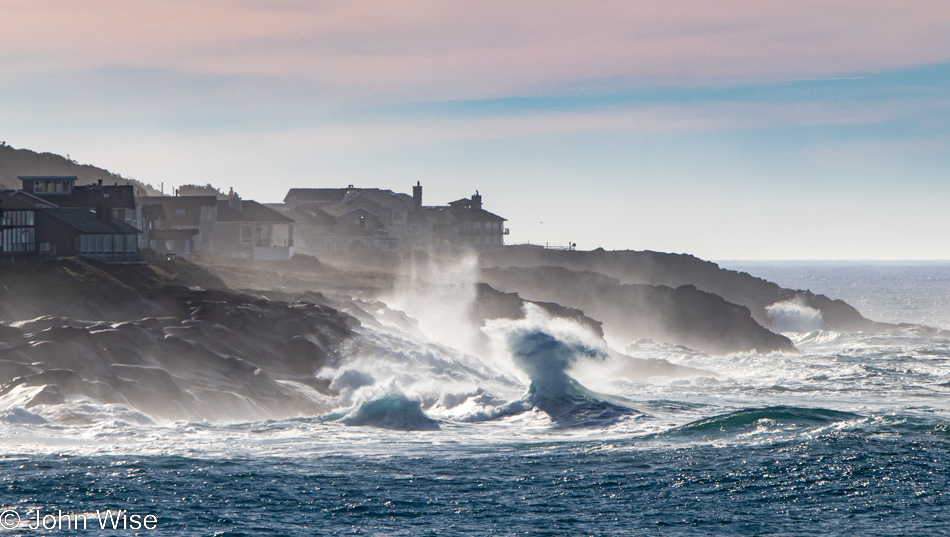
433,49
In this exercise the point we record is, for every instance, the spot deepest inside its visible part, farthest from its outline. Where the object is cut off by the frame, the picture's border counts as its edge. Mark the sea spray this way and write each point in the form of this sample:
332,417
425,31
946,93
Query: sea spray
415,364
545,348
440,294
793,316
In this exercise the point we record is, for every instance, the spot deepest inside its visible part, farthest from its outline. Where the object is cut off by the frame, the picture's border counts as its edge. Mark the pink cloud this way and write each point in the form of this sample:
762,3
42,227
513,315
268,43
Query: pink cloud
438,49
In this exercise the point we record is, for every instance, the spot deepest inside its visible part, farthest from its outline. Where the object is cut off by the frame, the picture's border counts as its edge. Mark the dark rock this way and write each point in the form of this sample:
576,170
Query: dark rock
684,315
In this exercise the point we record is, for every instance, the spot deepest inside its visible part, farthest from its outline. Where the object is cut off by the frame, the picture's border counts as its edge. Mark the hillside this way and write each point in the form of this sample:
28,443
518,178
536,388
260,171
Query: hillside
16,162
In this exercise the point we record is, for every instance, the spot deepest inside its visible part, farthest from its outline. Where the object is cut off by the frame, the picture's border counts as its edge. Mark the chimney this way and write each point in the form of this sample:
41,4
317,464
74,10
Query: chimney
417,195
104,210
476,200
234,201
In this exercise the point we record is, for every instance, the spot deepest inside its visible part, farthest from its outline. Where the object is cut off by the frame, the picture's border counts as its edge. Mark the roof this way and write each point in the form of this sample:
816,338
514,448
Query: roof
32,177
445,214
317,195
191,205
85,221
115,196
259,212
226,213
18,199
475,215
251,211
384,198
308,217
339,209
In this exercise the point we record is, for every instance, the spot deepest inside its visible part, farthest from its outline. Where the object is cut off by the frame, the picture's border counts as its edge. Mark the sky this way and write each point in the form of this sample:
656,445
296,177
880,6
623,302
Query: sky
724,129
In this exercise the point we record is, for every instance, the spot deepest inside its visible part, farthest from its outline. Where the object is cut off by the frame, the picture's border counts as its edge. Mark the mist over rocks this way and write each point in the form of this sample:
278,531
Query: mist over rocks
171,340
629,312
201,353
675,270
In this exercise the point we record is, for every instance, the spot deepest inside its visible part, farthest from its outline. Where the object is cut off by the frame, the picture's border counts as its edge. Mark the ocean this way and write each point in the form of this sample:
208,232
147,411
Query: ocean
847,437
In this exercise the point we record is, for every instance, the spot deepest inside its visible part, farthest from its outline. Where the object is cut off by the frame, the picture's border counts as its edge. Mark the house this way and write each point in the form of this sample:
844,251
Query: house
391,208
247,229
63,191
232,228
31,225
180,225
92,234
317,232
464,222
389,220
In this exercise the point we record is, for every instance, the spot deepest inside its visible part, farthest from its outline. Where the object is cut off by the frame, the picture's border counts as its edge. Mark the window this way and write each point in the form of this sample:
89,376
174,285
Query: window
130,243
18,240
246,233
16,218
179,212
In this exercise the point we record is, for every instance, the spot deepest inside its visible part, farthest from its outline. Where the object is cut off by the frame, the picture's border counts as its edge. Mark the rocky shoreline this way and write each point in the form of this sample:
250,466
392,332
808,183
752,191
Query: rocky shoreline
171,340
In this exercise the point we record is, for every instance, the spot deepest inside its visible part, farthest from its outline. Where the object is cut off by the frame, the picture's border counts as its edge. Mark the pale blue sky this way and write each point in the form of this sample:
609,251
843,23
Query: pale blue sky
783,133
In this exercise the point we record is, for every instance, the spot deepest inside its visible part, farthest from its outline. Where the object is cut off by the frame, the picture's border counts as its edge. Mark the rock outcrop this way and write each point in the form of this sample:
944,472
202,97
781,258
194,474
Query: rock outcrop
675,270
684,315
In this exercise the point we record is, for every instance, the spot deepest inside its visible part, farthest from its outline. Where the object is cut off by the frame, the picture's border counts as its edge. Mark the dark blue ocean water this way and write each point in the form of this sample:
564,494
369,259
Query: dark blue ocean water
885,478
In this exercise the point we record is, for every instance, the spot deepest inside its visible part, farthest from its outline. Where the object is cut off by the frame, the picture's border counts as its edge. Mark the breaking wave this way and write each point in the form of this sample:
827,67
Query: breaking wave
390,409
784,418
545,349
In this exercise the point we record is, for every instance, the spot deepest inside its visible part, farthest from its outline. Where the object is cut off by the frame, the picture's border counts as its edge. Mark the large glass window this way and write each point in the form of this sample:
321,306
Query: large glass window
16,218
18,240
